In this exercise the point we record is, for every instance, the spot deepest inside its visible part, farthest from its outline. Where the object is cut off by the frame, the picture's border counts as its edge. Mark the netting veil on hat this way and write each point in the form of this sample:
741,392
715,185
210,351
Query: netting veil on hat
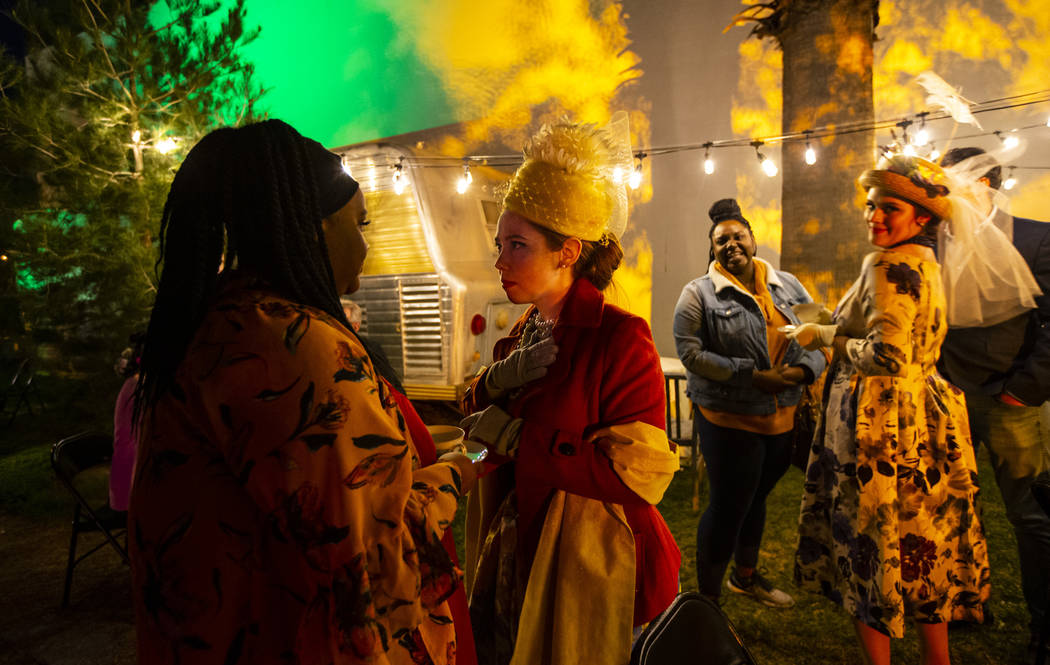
986,280
573,179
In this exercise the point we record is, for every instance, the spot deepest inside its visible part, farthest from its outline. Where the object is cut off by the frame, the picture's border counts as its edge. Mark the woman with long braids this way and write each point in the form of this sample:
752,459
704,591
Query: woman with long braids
281,512
566,550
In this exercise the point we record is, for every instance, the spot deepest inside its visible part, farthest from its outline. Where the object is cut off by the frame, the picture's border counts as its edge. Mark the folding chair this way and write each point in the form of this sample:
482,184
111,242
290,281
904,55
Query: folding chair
20,389
70,458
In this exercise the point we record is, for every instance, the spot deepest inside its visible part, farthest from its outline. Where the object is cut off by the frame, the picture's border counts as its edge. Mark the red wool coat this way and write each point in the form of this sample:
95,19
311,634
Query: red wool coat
607,372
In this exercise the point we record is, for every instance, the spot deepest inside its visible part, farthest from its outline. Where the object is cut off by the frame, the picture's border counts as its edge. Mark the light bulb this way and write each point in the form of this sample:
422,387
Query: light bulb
617,175
1010,183
709,165
1011,141
811,155
399,181
909,150
1048,121
635,180
935,154
136,136
922,137
769,167
165,145
464,180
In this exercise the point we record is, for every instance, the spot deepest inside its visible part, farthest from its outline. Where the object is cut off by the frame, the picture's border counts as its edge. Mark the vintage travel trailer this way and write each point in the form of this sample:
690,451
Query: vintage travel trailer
429,294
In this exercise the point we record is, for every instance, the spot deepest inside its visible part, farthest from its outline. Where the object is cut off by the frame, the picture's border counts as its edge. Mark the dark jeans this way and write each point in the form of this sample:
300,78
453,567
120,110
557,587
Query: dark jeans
1017,446
742,468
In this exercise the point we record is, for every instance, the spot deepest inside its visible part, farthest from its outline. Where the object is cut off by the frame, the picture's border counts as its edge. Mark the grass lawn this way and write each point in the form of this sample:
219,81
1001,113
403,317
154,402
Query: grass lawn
813,631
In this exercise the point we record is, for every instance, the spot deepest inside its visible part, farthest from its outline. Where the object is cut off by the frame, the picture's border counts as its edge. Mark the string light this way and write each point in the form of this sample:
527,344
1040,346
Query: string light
136,136
635,180
464,180
922,137
811,154
768,166
165,145
1010,181
903,124
1010,141
399,177
897,127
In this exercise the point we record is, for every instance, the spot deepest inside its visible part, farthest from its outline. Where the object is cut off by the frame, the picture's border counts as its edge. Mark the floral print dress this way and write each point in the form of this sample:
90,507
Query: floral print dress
889,526
280,513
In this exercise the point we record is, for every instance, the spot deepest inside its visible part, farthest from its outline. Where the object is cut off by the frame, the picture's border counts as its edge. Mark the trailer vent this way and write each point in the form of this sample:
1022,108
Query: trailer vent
426,306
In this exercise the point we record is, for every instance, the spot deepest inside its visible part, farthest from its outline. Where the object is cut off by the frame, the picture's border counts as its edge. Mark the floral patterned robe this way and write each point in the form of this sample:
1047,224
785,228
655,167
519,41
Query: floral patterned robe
280,514
889,526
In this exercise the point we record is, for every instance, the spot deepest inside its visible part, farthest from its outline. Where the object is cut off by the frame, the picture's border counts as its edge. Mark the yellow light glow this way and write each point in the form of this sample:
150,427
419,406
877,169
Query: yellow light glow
165,145
635,180
769,167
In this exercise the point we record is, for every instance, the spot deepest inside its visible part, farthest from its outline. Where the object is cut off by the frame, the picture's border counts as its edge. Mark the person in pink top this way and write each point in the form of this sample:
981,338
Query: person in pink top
125,435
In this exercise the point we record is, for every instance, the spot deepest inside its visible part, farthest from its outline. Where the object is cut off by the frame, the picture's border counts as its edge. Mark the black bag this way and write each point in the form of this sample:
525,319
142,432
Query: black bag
692,631
807,413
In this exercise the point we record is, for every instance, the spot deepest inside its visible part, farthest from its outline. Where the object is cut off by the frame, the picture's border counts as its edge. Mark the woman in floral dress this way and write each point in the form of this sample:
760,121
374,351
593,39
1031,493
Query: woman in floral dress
889,527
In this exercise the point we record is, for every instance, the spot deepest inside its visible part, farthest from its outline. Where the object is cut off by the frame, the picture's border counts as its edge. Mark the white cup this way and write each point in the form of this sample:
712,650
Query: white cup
447,439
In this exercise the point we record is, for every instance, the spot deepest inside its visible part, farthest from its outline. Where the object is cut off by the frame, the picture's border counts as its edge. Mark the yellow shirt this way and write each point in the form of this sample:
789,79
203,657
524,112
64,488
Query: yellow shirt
783,419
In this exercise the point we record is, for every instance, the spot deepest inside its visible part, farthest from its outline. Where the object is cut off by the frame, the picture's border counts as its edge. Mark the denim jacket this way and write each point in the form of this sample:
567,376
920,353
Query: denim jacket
720,335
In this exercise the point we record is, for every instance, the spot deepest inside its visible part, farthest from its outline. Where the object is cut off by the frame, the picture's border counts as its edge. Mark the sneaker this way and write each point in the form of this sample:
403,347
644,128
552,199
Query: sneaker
760,589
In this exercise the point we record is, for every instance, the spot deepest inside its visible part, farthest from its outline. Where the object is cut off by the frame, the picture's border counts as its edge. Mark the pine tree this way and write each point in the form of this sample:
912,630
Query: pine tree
93,123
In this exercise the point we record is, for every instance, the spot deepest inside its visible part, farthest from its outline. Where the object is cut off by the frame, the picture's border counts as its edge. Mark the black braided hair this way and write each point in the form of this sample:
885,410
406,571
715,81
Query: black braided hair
247,197
720,211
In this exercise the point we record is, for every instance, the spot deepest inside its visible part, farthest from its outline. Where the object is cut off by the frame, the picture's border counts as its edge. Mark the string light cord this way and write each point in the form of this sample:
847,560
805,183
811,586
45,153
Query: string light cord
804,136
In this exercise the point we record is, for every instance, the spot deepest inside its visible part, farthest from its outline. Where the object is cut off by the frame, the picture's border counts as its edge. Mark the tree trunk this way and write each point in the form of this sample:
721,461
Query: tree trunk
827,48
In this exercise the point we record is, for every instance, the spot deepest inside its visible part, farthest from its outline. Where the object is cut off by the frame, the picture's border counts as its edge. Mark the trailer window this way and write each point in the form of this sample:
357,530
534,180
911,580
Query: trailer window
396,243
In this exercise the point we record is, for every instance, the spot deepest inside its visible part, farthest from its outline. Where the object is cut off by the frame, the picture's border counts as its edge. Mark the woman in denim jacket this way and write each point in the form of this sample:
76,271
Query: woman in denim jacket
745,380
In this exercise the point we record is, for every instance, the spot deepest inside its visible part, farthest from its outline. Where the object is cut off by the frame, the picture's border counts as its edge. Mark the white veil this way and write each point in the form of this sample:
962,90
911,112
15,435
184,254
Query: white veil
986,280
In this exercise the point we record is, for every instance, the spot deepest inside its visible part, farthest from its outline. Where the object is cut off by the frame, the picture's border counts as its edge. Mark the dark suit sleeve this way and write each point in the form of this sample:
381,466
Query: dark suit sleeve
1030,380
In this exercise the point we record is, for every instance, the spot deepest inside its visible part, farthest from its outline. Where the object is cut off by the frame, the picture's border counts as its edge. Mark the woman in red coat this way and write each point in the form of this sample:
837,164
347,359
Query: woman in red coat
566,552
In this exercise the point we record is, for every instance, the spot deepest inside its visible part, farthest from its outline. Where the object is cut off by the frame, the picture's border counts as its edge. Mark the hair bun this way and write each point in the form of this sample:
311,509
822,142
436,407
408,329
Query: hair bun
724,209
